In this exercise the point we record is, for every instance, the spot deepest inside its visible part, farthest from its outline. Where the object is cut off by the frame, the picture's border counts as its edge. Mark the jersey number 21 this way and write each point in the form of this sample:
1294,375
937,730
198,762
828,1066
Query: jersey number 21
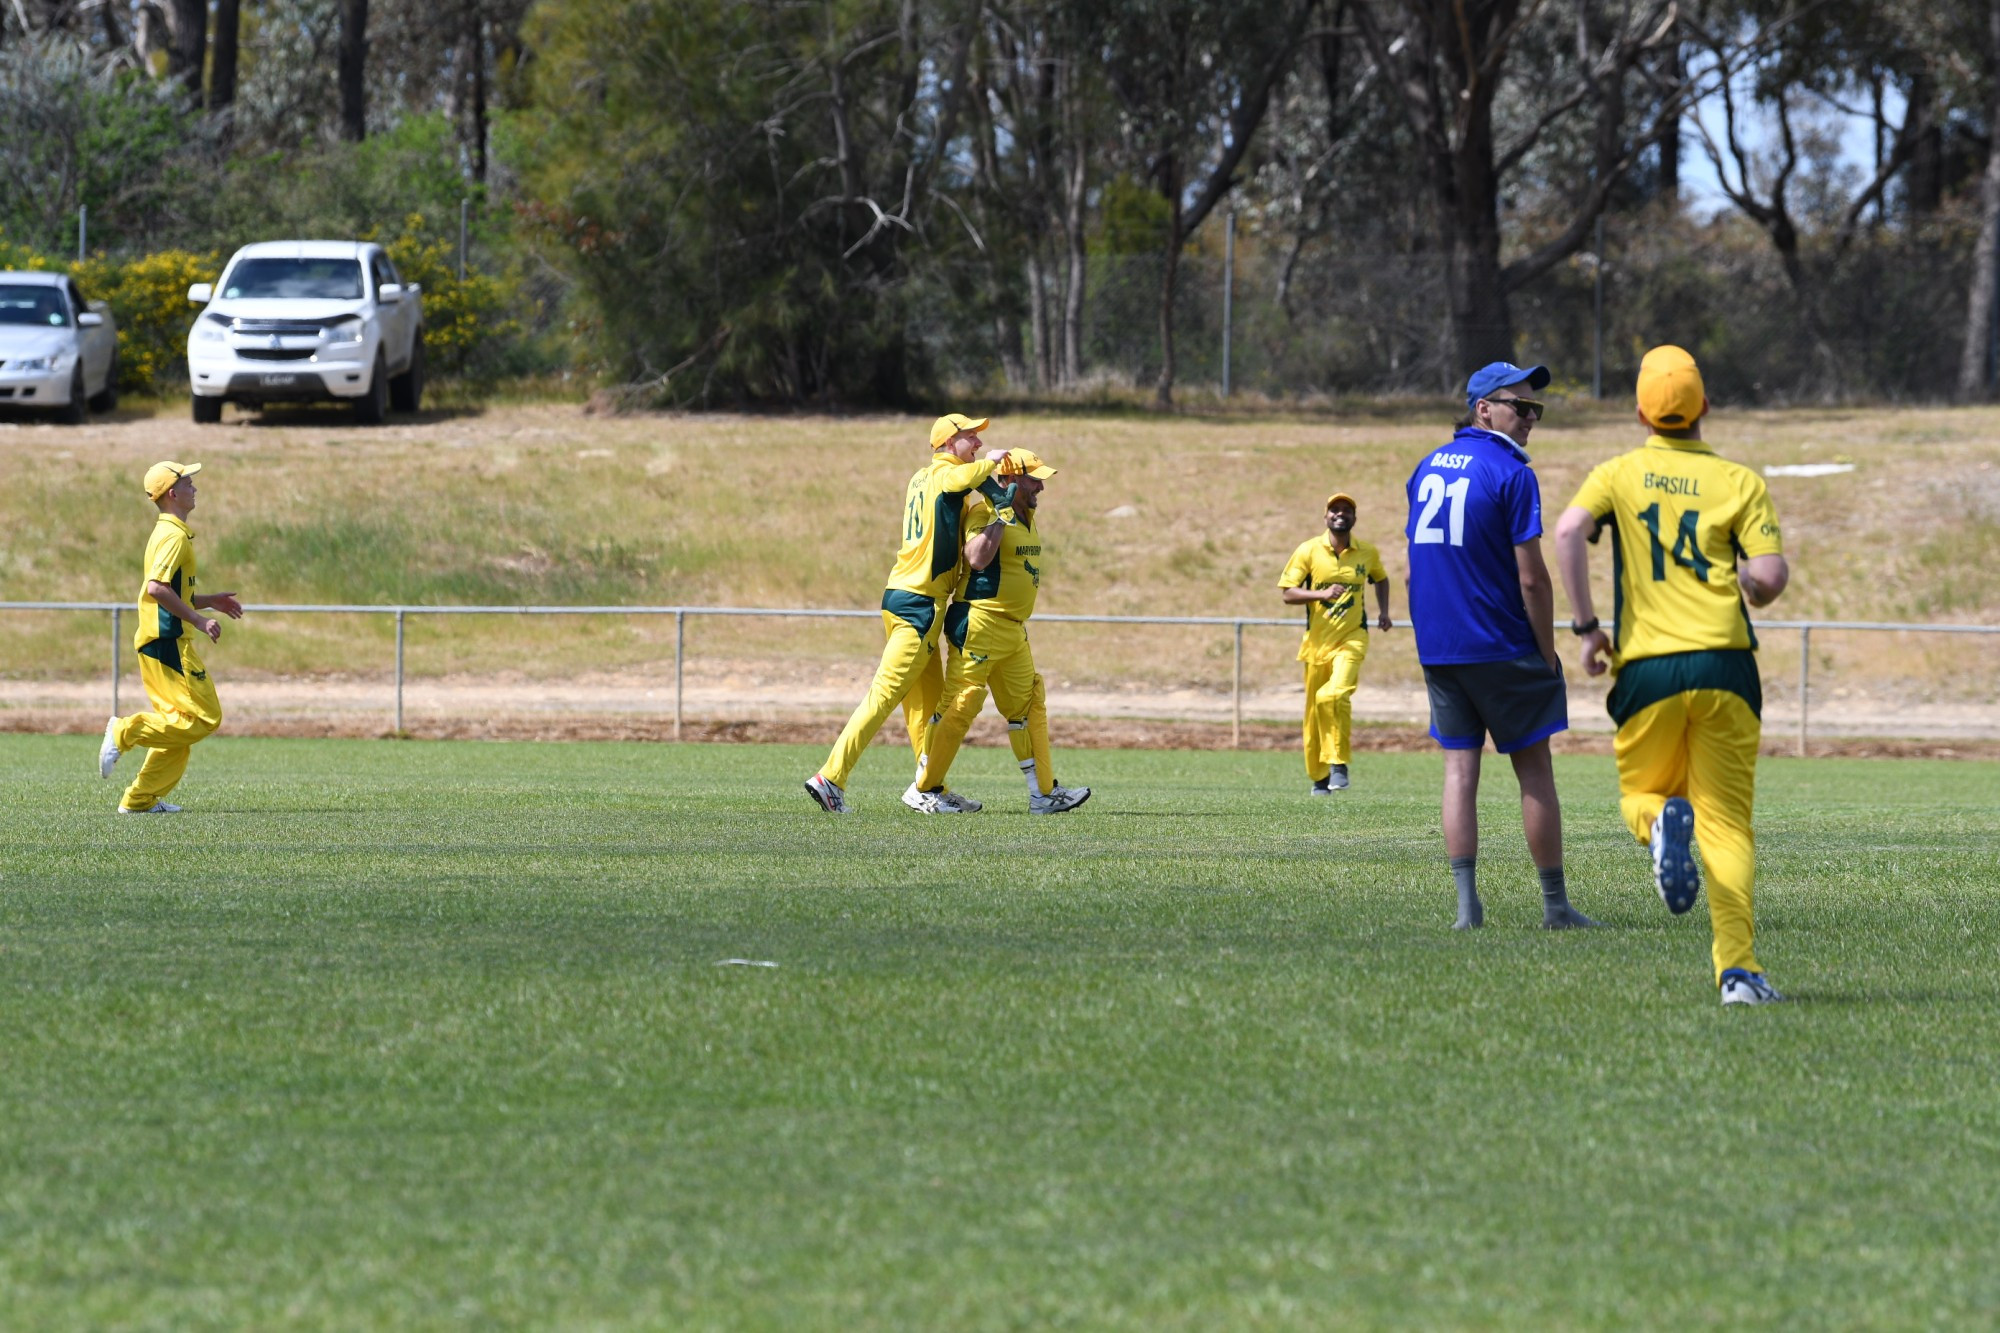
1431,494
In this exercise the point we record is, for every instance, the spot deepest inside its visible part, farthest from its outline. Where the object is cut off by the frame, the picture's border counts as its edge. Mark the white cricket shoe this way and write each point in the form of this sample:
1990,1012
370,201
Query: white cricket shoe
107,753
929,802
156,808
959,804
1741,987
1060,800
827,796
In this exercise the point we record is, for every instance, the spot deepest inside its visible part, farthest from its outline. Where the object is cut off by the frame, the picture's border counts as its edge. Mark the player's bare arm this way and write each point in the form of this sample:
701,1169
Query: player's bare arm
1539,594
1333,592
1573,531
1383,620
1763,578
178,608
224,602
984,546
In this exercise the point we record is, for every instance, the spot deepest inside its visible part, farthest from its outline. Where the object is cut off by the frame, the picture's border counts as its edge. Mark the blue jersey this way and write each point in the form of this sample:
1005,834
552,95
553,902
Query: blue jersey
1471,503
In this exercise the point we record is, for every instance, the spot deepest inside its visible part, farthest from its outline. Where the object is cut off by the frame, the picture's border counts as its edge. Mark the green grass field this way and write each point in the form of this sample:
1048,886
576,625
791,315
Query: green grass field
433,1035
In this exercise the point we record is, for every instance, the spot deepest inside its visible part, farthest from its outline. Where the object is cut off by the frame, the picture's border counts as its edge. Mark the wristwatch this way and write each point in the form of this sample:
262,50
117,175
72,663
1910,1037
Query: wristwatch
1583,627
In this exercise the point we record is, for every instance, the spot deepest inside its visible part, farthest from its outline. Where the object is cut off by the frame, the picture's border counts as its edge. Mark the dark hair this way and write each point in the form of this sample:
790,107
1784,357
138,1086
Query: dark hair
1463,422
1688,433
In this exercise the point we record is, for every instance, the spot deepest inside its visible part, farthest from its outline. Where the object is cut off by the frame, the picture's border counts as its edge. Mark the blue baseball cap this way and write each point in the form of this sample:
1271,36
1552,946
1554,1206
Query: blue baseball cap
1500,375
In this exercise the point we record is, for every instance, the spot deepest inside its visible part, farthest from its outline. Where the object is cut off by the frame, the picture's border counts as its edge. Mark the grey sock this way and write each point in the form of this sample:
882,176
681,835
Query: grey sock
1471,912
1557,914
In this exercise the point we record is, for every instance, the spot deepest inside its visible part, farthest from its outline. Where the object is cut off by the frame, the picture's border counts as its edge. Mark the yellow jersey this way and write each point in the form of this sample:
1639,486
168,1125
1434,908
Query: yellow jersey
1317,565
1679,517
1008,586
934,504
169,560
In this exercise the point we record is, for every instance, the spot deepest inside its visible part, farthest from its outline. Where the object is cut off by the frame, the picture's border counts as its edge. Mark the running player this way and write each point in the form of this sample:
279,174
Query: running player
927,569
1326,576
185,708
1692,537
1483,609
988,629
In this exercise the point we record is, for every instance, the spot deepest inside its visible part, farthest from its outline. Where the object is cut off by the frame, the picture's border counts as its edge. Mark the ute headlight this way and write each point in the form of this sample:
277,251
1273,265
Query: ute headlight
209,333
347,331
35,363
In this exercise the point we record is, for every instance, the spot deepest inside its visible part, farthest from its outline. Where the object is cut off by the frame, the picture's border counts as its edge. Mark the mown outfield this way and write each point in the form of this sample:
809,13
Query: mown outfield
407,1035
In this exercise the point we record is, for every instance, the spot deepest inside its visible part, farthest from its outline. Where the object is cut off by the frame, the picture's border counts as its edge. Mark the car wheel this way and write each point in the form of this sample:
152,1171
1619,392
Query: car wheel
371,407
406,391
74,411
207,411
107,401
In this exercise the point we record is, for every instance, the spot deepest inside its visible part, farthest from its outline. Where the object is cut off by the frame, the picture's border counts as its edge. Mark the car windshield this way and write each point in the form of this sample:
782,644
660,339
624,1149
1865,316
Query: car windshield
295,279
41,306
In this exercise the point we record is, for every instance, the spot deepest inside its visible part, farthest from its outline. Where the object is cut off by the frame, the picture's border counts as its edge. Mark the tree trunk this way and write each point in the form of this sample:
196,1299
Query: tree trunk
222,74
353,66
187,44
1670,142
1040,345
1482,324
1979,301
476,37
1923,181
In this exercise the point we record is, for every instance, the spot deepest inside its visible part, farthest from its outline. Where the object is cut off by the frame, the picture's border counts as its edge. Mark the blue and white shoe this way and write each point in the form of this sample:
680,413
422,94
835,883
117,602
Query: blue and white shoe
1674,871
826,795
1741,987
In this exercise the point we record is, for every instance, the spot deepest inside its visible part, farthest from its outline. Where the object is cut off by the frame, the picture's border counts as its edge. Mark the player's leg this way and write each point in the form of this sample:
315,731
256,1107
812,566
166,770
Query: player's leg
1652,752
1461,833
962,691
1343,679
920,705
185,711
1541,820
1723,736
908,650
1524,704
1315,730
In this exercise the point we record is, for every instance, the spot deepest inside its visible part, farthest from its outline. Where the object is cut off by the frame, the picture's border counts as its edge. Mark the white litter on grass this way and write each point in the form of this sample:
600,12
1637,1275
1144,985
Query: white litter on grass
1806,469
595,453
1123,511
744,962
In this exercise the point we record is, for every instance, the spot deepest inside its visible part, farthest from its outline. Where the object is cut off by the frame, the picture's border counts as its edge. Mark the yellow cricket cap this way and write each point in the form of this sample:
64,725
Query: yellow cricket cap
160,477
1671,396
1021,463
951,423
1337,497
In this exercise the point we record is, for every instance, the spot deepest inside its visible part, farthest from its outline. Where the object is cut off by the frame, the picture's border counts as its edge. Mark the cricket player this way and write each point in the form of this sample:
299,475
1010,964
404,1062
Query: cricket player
185,708
988,627
1482,606
1326,576
1693,536
927,569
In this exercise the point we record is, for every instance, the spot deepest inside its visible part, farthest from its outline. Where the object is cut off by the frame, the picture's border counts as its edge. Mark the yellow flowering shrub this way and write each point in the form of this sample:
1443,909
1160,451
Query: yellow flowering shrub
459,315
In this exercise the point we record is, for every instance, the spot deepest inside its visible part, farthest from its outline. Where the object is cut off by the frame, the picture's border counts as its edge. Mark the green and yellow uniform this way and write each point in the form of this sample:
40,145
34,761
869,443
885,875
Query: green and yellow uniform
185,707
927,569
1686,697
1335,642
988,628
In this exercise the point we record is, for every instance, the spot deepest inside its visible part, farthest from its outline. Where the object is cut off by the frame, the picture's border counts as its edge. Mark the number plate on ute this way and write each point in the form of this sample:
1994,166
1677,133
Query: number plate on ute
280,381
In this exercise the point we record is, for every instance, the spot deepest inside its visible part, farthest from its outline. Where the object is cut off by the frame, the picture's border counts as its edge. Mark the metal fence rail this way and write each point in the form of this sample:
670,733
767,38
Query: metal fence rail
680,614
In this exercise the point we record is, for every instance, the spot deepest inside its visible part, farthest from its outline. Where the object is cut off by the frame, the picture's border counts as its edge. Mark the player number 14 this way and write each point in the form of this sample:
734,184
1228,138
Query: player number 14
1431,494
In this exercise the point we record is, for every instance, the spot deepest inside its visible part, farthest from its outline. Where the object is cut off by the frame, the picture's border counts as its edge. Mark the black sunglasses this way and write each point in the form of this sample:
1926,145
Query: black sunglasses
1527,407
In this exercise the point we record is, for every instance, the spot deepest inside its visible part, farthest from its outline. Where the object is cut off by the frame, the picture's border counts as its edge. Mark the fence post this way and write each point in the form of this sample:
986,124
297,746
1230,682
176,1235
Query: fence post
1597,318
1236,695
1228,292
117,614
1805,679
680,654
464,204
82,230
399,671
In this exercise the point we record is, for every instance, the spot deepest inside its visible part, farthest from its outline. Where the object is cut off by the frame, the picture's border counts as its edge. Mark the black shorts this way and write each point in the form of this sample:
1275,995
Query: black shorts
1520,701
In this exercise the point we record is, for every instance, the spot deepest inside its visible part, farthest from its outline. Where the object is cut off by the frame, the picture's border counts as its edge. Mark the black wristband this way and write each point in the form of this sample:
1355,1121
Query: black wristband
1583,627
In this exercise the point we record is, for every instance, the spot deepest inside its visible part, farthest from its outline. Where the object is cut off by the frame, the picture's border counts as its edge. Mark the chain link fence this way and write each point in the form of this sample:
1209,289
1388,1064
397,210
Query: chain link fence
1881,321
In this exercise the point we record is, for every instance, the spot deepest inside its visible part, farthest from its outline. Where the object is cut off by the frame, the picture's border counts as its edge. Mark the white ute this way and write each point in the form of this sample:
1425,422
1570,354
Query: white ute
56,349
304,321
